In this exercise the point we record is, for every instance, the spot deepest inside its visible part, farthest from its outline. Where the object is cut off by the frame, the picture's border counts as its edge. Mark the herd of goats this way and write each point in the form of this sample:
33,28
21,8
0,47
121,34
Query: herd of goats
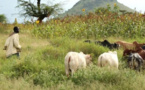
133,52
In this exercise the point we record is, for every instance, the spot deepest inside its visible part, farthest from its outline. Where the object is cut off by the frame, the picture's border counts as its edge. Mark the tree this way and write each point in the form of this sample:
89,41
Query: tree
2,18
39,11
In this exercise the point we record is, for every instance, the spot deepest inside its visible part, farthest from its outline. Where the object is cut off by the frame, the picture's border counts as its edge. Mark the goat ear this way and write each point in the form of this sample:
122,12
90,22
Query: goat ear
88,56
135,42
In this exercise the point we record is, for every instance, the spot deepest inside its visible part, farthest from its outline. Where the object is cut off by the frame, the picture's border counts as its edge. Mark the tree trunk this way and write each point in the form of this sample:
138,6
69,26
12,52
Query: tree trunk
38,4
42,17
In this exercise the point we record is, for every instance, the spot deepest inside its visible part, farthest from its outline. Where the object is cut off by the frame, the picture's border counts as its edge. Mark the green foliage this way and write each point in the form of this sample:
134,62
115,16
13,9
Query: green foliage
53,53
94,26
101,10
103,75
2,18
44,66
48,78
7,67
40,11
25,68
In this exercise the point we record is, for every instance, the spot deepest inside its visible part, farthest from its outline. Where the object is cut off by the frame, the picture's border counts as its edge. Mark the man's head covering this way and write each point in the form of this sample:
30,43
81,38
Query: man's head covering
16,29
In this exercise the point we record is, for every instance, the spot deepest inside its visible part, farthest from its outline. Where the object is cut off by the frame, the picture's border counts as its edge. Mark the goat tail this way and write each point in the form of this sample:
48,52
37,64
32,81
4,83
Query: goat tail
67,65
100,61
69,62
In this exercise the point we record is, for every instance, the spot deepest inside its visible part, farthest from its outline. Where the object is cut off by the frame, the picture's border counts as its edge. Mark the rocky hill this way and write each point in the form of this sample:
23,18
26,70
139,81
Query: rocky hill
91,5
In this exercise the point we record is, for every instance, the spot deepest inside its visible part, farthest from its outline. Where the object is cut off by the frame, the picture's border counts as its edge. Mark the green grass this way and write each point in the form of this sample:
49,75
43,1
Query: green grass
41,67
44,46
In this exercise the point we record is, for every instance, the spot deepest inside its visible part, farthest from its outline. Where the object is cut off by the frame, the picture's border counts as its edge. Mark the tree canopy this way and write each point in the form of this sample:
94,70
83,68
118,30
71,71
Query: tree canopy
2,18
39,10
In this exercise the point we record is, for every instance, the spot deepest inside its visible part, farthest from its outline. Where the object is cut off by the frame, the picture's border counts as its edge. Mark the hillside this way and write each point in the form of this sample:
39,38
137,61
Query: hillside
91,5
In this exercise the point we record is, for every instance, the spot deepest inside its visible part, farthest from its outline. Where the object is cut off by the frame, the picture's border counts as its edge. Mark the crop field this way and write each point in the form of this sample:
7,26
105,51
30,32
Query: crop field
44,46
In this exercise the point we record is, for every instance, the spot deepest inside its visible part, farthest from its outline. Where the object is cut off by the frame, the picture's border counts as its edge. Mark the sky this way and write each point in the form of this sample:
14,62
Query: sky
8,7
138,5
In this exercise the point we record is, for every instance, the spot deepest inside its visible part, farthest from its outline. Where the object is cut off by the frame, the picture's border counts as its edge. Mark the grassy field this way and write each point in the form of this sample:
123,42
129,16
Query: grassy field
41,66
44,46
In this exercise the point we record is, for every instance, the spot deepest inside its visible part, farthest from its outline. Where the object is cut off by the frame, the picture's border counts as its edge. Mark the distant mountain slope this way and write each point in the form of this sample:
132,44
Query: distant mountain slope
91,5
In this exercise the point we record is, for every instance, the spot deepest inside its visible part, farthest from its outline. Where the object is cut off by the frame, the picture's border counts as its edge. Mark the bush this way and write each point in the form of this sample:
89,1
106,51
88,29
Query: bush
50,77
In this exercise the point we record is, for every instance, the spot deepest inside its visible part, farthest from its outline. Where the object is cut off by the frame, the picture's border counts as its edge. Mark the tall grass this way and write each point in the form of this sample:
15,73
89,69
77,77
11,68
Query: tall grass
94,26
42,67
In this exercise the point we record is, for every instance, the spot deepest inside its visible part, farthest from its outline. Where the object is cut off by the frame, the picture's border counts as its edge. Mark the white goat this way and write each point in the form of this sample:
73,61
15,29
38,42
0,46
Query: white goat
75,60
108,59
